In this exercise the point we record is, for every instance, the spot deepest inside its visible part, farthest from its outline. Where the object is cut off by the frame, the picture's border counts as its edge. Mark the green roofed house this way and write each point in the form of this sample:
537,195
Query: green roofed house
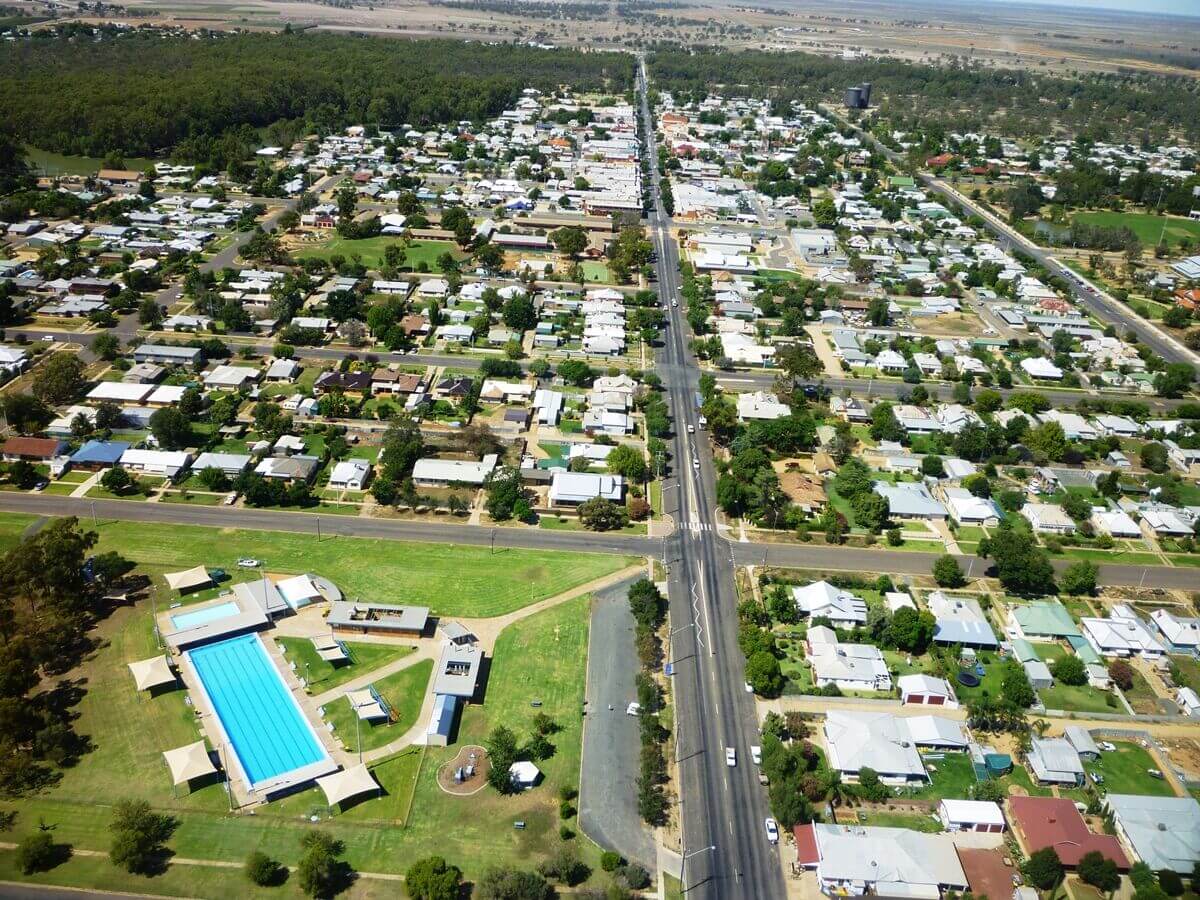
1042,620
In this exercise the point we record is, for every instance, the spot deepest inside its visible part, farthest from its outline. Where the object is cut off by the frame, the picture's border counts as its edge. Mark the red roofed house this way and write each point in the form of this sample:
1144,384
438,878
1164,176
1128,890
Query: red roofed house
1055,822
942,159
1188,299
807,854
32,449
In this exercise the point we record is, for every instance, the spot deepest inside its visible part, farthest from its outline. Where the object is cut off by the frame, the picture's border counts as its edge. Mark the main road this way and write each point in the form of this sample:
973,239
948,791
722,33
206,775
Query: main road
722,807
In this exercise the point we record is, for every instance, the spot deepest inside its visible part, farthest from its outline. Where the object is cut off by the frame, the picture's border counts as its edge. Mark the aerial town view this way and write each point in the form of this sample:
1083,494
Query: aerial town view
518,449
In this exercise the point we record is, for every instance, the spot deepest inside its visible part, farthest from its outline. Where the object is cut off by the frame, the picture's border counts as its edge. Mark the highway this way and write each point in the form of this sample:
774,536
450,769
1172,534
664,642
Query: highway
1085,294
723,808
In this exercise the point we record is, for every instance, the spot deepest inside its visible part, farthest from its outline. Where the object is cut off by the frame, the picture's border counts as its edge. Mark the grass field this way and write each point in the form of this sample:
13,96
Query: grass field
1146,226
887,818
403,692
543,656
451,580
371,251
323,676
1124,771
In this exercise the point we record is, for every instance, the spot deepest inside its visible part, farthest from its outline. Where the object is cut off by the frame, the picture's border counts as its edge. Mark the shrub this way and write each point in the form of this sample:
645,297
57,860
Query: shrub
37,852
609,861
635,877
261,869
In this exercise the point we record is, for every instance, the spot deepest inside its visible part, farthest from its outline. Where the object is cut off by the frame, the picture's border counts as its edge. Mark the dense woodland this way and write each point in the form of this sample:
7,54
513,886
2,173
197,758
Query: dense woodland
146,93
1020,103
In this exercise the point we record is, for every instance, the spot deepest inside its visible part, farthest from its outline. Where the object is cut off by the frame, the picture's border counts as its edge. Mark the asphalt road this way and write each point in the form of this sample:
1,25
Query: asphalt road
725,849
1085,294
608,809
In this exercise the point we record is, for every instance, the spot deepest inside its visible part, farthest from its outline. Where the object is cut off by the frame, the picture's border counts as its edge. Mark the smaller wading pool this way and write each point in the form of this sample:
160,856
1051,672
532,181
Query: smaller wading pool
184,620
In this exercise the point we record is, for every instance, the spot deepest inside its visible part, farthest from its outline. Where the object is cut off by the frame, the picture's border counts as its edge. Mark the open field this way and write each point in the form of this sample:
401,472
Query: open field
1147,226
452,581
371,250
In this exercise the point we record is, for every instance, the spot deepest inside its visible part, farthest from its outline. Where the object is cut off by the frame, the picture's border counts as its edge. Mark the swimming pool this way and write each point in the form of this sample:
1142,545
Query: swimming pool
261,718
204,616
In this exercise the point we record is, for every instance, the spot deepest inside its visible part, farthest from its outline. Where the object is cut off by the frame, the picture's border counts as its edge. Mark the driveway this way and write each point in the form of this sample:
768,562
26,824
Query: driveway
608,810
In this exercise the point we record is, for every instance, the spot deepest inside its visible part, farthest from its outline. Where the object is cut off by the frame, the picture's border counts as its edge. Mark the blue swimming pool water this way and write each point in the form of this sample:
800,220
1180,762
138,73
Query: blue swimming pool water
264,723
204,616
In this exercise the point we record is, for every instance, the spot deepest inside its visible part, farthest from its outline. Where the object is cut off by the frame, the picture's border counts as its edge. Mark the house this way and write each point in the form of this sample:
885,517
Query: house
282,370
350,475
167,355
32,449
1115,522
1048,518
1038,368
431,472
926,690
887,743
168,463
888,862
96,455
1081,739
1042,620
910,500
229,464
1124,635
574,488
1035,668
972,815
1041,822
231,378
288,468
1054,761
806,492
822,600
960,621
760,405
852,667
344,383
967,509
1164,832
1182,635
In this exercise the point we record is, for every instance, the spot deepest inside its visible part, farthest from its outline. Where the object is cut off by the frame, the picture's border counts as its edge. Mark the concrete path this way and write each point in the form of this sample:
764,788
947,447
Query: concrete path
85,486
608,810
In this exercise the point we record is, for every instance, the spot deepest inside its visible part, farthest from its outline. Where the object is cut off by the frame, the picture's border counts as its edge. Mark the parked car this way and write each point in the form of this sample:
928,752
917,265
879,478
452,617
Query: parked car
772,830
1096,777
1155,773
230,499
1106,745
247,562
756,754
730,757
633,709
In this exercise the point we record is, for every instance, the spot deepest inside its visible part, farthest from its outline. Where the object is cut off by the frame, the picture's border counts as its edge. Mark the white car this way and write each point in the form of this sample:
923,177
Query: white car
730,757
1105,745
756,755
691,429
748,687
633,709
247,562
695,462
772,830
674,302
230,499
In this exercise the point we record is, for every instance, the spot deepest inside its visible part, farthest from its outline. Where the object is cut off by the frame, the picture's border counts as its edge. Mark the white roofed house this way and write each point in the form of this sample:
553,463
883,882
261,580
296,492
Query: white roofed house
1043,369
350,475
1164,832
972,815
1048,518
1181,634
574,488
887,743
168,463
1122,635
926,690
432,472
822,600
967,509
960,620
852,667
760,405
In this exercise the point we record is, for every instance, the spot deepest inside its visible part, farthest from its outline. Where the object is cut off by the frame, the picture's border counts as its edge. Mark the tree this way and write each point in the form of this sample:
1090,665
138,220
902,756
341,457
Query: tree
600,514
37,852
519,312
626,460
1153,456
59,379
853,478
512,884
910,630
171,428
1099,871
799,361
321,874
1021,566
138,834
870,510
116,480
432,878
504,493
570,240
1079,578
646,603
1044,869
1069,670
947,572
402,447
502,753
1015,687
1174,380
932,466
1169,880
106,346
764,675
576,372
262,870
1048,441
1121,673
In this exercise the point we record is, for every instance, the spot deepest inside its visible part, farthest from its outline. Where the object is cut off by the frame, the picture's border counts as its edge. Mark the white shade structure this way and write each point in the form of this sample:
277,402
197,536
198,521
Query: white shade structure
348,784
151,673
188,763
366,705
188,580
524,774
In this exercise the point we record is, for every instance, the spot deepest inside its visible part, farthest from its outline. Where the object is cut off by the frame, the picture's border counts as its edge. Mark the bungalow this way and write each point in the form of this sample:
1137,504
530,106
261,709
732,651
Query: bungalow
852,667
1164,832
1042,620
1048,518
1054,822
32,449
1188,702
224,377
967,509
1042,369
574,488
350,475
1115,522
887,743
167,355
96,455
1054,761
168,463
760,405
891,862
910,500
1122,635
431,472
822,600
288,468
960,620
343,382
229,464
1181,634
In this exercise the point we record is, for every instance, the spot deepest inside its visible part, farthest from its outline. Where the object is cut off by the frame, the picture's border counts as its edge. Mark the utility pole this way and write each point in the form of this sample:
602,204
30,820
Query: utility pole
683,863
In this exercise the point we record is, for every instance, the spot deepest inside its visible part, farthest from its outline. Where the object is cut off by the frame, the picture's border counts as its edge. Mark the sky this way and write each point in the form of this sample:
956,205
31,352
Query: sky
1176,7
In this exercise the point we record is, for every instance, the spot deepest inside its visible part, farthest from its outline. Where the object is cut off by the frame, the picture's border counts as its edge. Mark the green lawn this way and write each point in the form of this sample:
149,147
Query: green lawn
403,692
989,684
953,777
1124,771
1076,698
1141,696
451,580
1146,226
324,676
542,657
890,819
371,250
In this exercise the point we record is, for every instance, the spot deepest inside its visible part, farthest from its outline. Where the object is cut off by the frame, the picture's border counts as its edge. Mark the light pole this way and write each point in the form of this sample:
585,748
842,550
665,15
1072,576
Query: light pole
683,864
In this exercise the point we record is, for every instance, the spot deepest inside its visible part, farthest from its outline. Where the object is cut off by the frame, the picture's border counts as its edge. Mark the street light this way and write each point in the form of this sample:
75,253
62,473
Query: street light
683,887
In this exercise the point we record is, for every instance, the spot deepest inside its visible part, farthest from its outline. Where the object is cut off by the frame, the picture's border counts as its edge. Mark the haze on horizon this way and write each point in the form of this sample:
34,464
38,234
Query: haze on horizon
1190,8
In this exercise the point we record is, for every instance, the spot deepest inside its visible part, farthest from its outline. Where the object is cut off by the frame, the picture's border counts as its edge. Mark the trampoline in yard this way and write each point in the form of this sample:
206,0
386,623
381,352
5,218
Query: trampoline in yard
968,679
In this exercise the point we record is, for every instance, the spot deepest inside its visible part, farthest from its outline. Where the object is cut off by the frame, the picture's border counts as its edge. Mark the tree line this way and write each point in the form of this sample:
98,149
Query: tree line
145,93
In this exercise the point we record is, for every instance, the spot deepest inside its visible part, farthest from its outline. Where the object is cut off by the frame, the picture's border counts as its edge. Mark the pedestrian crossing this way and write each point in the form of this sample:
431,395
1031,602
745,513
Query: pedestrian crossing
697,526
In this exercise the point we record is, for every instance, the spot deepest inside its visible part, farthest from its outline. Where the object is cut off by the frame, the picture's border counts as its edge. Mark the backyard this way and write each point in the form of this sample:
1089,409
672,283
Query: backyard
1125,771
